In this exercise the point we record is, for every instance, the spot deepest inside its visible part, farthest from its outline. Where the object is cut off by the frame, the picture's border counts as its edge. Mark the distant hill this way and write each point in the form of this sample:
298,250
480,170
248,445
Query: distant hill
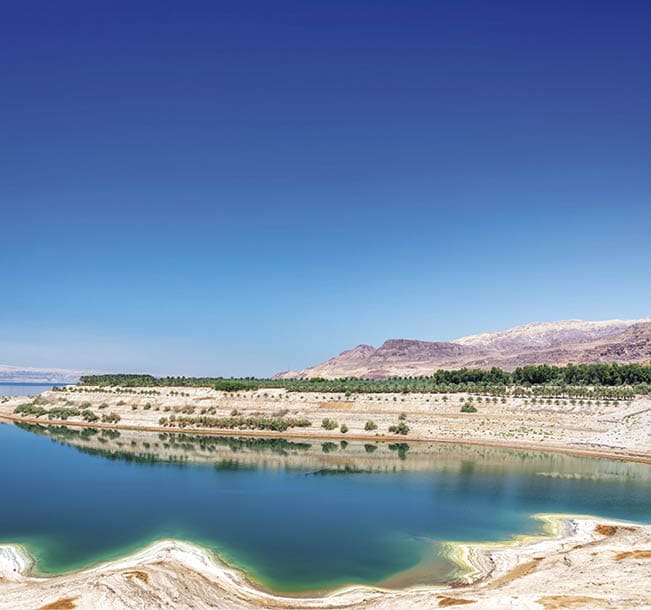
24,374
564,342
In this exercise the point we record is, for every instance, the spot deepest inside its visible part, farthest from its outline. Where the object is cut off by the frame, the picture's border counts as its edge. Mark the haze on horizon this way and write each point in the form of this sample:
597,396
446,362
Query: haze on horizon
229,189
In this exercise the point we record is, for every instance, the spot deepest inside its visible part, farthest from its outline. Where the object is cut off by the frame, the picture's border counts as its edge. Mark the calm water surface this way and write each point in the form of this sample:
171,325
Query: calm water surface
26,389
295,515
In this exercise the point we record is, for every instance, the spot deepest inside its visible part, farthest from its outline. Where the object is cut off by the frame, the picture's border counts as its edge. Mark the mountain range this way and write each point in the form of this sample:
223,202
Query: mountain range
26,374
557,343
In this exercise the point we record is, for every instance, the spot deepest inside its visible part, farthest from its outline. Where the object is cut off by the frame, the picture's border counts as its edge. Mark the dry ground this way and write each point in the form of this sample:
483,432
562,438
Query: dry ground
619,430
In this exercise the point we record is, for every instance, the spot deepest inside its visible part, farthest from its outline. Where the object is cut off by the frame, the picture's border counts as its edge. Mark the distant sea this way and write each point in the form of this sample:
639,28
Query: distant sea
26,389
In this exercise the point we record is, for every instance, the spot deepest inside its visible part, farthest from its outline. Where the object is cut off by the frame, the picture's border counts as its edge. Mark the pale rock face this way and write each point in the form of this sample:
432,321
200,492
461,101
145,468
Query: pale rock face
546,334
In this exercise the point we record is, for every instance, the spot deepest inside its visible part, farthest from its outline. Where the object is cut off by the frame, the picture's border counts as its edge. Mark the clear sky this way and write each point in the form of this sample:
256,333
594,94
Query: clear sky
244,187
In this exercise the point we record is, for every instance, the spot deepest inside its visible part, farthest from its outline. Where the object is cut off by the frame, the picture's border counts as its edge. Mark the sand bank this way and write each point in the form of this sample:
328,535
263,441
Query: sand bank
585,562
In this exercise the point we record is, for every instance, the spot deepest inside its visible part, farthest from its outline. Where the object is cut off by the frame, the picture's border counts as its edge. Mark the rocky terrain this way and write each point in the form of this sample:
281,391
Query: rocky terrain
557,343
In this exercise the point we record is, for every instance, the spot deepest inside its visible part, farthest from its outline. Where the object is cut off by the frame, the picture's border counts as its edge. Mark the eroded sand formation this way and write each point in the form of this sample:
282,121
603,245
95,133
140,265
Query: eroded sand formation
588,564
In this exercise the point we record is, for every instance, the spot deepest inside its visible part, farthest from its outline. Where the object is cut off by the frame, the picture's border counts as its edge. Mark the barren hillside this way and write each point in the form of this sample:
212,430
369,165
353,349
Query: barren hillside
564,342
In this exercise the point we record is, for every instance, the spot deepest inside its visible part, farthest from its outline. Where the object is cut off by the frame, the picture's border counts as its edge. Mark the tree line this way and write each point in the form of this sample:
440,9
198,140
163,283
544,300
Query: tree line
494,380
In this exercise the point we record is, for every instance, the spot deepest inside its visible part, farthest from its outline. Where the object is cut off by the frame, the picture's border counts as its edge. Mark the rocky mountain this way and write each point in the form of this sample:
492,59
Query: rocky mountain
564,342
545,334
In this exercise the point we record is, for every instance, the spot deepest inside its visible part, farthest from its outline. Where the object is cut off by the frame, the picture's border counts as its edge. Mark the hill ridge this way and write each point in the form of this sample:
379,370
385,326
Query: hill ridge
562,342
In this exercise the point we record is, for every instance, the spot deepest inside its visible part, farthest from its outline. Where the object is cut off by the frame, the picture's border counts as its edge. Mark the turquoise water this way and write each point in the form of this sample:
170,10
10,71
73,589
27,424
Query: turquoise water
295,515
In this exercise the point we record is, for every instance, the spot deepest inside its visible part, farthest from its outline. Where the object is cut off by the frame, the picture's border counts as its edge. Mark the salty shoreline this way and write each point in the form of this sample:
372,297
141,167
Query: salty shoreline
607,430
607,453
173,573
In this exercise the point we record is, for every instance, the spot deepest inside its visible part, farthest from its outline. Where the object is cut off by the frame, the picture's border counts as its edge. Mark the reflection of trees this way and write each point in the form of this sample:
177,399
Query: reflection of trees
504,466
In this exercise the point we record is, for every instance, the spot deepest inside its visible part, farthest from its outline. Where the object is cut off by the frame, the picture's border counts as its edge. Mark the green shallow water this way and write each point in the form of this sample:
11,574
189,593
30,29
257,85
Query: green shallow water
297,516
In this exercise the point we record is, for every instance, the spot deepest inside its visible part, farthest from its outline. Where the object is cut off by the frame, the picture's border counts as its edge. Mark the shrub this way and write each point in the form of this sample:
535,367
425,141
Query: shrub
370,425
243,423
30,409
111,418
89,416
402,416
468,407
343,429
401,428
63,413
329,424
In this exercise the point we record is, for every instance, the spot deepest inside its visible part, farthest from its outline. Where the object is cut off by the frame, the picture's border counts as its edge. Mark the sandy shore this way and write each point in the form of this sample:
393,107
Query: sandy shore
584,563
608,429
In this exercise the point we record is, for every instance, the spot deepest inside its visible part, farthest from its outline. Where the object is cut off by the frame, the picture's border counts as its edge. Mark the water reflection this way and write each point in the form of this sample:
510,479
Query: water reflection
296,513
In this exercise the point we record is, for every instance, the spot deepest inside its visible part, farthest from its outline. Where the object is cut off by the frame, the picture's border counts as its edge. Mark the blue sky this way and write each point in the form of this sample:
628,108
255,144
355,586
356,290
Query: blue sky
244,187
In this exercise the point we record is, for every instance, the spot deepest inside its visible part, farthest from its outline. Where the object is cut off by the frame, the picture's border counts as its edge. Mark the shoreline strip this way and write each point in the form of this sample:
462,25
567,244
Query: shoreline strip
612,454
488,564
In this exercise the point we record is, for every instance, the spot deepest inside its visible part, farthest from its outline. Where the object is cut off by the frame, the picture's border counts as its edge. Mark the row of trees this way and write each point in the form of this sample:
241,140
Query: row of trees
494,381
583,374
278,424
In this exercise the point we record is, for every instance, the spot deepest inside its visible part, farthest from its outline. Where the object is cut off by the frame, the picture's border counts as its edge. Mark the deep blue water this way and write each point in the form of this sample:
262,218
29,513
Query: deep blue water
290,527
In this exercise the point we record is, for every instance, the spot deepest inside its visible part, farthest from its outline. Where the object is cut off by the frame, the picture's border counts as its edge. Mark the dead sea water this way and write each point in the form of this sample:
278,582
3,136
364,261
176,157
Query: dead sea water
295,515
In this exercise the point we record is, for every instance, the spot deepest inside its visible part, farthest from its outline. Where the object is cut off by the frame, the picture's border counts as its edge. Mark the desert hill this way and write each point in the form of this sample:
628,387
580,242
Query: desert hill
558,343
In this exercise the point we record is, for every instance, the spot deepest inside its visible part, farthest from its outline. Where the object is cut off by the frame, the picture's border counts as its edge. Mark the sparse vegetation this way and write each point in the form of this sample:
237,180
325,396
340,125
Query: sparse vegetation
89,416
276,424
401,428
63,413
30,409
329,424
111,418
